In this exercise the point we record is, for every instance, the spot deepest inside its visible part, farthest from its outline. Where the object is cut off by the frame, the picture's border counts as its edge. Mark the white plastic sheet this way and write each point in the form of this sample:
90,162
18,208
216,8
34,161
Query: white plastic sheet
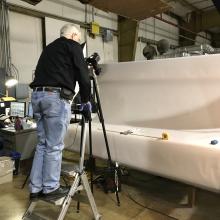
178,96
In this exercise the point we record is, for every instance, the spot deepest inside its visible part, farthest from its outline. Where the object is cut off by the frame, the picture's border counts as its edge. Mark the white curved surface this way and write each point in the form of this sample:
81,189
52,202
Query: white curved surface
186,156
178,96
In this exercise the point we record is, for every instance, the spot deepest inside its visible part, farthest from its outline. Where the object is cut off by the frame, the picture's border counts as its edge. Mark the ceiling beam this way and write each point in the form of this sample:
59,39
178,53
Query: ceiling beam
200,1
137,10
184,3
188,5
200,22
206,20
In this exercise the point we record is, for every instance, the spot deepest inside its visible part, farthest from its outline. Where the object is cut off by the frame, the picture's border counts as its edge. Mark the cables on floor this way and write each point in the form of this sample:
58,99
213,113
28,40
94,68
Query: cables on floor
146,207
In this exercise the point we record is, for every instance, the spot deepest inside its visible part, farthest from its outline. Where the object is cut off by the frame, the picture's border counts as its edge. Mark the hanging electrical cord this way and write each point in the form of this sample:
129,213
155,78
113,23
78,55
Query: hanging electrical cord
74,139
4,39
5,50
86,34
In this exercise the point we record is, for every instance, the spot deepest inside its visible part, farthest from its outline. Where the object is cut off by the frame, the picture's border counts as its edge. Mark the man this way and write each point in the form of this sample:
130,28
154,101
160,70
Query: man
61,64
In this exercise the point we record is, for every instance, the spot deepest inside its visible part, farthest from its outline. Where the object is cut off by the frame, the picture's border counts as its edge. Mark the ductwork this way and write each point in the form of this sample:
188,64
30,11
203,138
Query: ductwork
217,4
85,1
189,51
32,2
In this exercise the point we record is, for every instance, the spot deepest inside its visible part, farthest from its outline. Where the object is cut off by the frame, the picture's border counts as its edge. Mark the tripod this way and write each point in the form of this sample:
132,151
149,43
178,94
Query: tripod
80,182
112,170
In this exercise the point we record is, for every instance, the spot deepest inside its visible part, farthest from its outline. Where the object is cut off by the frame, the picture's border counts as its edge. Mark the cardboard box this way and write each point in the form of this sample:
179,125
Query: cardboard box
6,169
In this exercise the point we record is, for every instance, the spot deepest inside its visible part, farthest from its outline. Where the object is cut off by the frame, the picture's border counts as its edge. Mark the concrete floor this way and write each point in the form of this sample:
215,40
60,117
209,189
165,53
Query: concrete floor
143,197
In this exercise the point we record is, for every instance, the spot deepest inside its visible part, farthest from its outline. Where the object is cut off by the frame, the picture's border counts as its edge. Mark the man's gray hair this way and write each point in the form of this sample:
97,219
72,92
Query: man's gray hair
68,29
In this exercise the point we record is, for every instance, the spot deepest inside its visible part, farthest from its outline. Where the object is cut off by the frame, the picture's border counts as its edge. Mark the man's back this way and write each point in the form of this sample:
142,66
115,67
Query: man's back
56,66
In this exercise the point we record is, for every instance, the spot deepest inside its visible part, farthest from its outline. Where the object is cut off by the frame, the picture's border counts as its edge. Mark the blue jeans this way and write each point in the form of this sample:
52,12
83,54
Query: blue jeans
52,115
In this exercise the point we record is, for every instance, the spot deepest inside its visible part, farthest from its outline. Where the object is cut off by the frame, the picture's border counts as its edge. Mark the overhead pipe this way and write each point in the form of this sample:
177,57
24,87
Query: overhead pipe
180,27
217,4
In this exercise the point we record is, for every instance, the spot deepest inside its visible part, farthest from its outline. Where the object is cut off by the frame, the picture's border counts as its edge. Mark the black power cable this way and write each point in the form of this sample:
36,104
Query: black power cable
146,207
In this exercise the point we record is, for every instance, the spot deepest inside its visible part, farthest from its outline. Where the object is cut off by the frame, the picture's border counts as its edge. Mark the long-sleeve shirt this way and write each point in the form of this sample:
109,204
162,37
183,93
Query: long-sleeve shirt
61,64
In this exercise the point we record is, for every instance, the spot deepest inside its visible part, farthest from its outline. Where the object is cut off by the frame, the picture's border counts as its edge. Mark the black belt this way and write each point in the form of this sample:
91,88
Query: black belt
47,89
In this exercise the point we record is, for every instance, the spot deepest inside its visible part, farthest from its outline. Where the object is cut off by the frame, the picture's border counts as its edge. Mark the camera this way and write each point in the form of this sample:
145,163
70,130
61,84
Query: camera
92,61
94,67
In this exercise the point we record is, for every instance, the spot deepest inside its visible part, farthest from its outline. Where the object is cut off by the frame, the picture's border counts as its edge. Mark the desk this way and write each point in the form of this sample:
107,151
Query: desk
23,141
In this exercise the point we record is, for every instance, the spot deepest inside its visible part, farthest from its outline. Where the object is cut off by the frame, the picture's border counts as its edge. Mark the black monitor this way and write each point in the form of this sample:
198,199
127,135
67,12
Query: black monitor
2,108
18,109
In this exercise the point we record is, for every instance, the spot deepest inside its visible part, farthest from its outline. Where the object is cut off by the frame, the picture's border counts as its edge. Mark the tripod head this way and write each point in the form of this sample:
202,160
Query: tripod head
94,70
77,110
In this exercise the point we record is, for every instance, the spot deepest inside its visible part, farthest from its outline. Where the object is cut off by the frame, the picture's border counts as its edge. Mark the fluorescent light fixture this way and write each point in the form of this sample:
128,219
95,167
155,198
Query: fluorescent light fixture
10,82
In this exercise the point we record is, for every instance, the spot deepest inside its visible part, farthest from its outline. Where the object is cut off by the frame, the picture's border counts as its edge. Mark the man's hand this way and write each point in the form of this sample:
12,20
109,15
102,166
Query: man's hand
86,109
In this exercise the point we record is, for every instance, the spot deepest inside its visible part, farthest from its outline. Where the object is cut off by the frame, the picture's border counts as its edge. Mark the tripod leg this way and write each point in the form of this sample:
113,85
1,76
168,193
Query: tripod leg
101,118
26,179
91,159
117,197
117,183
82,145
82,151
78,202
78,206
